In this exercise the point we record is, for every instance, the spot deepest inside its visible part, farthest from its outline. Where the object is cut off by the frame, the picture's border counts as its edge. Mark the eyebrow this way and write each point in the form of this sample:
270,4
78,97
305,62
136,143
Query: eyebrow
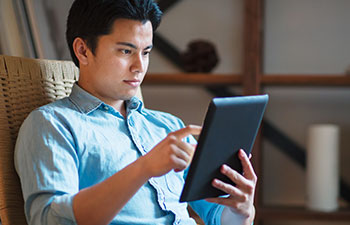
133,46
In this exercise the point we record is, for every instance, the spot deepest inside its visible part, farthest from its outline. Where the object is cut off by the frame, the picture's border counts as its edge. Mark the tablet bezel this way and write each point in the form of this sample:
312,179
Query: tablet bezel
247,114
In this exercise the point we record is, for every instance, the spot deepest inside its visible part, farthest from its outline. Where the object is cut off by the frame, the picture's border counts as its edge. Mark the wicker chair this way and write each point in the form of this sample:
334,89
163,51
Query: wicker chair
25,85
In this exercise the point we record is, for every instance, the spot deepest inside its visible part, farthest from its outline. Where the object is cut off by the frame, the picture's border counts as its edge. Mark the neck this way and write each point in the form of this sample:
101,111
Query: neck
120,107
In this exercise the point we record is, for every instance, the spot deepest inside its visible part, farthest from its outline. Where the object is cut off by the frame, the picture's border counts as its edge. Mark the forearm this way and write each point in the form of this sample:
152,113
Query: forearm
111,195
100,203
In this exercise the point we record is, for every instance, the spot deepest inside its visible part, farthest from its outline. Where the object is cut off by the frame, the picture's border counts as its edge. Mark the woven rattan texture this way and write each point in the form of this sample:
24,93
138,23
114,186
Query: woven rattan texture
25,84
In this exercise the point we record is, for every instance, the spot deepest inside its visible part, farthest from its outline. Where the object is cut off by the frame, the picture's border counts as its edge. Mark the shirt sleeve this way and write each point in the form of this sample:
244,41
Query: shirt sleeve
47,164
210,213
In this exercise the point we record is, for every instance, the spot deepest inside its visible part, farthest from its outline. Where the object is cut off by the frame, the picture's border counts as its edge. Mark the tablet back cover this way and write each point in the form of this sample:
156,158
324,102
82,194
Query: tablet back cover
231,124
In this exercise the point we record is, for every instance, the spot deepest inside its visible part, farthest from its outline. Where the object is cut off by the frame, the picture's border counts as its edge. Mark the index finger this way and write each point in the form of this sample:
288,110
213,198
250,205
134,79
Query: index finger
189,129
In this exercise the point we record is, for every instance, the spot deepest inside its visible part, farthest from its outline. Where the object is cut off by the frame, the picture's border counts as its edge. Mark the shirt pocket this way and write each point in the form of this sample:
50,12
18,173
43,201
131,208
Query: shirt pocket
175,182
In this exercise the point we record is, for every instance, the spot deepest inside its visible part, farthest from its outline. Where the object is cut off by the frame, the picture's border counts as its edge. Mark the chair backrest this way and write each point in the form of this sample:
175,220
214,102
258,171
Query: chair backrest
25,84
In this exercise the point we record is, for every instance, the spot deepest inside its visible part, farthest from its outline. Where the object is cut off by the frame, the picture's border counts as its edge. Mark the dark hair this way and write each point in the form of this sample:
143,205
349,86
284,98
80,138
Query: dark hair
89,19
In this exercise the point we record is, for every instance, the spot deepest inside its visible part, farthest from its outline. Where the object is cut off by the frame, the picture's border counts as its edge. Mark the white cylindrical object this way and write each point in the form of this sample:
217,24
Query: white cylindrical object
322,172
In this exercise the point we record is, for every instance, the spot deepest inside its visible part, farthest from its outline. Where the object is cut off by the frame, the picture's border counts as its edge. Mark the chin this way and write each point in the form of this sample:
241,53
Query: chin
127,95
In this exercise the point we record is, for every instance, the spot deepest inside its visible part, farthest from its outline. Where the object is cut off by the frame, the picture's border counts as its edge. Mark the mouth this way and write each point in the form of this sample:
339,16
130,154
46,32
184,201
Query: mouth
133,83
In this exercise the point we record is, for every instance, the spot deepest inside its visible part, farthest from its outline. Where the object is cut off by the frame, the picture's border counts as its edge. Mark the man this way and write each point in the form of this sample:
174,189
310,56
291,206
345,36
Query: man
99,156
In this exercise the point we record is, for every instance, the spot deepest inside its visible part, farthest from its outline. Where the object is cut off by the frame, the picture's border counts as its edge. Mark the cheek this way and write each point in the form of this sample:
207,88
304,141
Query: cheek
113,65
119,61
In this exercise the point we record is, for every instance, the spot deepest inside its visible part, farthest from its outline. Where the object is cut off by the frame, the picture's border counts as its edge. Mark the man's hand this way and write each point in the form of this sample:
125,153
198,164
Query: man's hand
241,196
171,152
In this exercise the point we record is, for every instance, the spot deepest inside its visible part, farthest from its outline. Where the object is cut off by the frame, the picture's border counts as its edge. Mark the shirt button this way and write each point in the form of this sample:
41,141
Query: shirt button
106,108
133,105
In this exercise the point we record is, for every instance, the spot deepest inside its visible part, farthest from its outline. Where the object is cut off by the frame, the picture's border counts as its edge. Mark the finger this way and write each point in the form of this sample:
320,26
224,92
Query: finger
179,164
184,132
220,201
241,182
248,169
180,153
229,189
224,201
186,147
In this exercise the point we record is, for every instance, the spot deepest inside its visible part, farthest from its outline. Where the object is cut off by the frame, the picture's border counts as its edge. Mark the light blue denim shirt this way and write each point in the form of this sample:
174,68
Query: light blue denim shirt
80,141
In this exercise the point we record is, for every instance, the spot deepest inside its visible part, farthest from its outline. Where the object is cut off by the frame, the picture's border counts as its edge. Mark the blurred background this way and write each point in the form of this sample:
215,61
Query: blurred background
301,37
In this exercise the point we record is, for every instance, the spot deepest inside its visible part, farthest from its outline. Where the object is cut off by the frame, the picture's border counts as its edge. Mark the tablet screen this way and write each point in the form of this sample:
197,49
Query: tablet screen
231,123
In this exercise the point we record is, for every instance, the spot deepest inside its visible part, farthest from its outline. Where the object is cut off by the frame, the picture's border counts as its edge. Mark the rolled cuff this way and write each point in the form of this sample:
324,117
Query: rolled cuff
62,209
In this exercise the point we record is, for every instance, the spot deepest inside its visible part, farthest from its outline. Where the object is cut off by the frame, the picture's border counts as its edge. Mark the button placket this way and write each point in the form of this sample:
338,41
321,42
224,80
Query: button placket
134,136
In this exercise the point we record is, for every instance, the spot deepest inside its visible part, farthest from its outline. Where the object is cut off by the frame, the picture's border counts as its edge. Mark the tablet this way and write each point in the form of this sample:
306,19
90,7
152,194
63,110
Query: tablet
231,123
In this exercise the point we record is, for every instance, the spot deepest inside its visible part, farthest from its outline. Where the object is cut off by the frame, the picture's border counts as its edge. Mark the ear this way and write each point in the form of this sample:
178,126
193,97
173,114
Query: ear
81,50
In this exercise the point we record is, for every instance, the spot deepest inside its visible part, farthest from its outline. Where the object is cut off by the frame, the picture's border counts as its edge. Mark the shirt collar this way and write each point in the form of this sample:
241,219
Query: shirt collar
87,103
134,104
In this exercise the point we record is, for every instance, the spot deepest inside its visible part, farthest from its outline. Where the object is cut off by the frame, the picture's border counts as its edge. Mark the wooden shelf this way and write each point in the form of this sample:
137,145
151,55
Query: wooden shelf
266,80
306,80
301,213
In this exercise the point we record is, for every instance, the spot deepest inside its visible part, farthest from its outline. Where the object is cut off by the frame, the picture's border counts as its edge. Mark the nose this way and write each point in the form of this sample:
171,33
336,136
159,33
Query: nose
139,64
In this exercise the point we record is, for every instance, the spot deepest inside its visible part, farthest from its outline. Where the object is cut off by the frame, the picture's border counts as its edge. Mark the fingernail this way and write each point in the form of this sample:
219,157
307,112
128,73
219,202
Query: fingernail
242,153
224,167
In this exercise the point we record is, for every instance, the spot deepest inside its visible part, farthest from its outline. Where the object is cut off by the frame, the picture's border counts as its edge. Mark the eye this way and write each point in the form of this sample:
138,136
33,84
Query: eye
146,52
125,51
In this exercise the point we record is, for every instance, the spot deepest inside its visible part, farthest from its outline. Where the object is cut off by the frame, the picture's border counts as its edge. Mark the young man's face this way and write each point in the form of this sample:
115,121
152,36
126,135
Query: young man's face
120,62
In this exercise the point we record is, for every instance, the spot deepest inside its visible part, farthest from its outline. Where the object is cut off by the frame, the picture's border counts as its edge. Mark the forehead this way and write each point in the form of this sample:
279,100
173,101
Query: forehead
131,30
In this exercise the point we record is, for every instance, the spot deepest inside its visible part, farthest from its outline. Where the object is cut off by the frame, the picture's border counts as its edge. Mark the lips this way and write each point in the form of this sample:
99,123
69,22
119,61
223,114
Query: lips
133,83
